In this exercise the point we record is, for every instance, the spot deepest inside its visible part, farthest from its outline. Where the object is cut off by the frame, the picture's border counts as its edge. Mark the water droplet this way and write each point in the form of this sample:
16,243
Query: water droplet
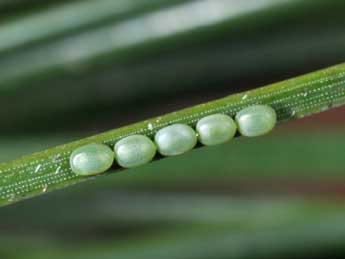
150,126
45,187
56,157
57,170
38,168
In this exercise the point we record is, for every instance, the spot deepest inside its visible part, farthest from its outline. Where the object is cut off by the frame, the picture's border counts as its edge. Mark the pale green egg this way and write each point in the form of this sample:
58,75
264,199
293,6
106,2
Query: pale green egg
175,139
256,120
91,159
134,150
216,129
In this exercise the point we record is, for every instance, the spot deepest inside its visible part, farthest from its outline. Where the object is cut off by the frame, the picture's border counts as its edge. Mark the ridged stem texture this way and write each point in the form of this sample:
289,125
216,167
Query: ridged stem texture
292,99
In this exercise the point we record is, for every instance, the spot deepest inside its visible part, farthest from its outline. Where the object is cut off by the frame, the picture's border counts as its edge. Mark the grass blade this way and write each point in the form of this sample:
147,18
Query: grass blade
292,99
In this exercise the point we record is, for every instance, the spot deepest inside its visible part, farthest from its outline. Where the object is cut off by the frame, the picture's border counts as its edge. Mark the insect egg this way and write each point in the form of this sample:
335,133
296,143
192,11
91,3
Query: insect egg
91,159
216,129
256,120
134,150
175,139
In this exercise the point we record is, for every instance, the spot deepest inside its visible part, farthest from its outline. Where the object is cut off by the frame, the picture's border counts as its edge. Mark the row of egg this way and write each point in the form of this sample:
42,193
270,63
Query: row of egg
172,140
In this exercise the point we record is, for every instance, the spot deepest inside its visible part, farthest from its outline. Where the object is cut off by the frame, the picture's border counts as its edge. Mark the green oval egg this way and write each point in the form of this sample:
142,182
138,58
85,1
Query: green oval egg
256,120
175,139
134,150
91,159
216,129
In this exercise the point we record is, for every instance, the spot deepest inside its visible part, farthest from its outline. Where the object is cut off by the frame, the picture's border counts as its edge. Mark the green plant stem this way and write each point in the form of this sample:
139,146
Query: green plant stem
249,158
292,99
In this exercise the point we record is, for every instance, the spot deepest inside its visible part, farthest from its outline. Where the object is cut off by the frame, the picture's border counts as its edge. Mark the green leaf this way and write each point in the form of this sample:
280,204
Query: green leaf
292,99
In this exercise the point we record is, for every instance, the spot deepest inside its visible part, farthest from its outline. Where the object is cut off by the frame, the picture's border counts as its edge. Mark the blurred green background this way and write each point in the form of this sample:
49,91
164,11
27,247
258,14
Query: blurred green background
69,69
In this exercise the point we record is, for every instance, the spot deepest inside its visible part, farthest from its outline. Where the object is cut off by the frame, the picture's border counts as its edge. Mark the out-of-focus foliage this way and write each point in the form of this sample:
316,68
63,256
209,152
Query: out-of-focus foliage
142,225
152,52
